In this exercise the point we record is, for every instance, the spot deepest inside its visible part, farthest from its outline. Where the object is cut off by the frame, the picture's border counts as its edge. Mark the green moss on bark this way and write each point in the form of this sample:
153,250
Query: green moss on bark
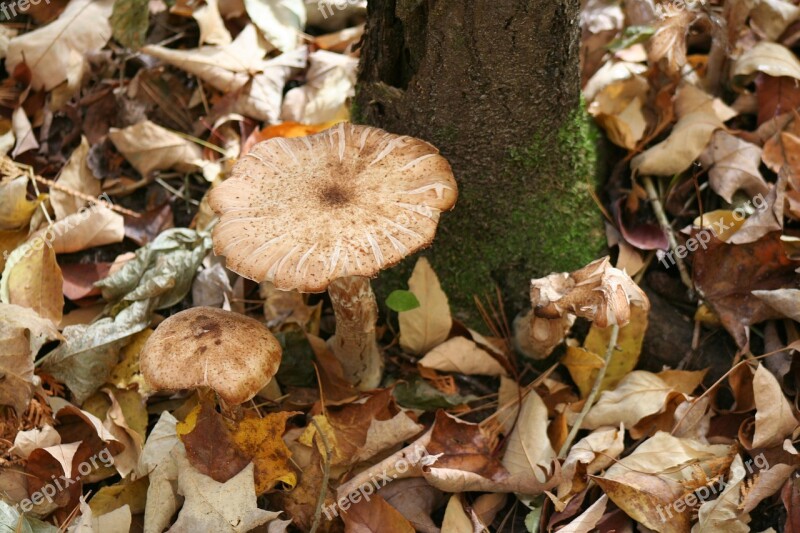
506,239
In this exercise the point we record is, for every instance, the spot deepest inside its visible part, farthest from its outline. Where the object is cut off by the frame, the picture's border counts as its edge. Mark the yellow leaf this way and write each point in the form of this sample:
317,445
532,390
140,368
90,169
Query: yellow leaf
262,439
429,324
34,280
126,373
15,208
188,424
133,494
584,363
582,366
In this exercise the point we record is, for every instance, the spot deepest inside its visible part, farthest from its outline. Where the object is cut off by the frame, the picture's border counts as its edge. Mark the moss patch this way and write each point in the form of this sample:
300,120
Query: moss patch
535,217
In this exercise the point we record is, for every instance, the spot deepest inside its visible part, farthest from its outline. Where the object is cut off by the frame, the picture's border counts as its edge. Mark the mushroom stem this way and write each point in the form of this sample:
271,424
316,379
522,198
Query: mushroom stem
354,344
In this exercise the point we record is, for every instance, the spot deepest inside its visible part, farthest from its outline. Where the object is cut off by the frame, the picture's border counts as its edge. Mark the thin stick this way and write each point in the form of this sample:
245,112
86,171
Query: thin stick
598,381
326,473
665,225
91,199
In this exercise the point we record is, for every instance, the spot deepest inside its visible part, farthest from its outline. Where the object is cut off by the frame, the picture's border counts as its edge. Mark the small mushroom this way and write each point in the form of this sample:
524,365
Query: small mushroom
232,354
597,292
329,211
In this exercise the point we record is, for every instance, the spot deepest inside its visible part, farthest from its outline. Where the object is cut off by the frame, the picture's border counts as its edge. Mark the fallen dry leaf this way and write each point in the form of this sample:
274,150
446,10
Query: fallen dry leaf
81,28
22,334
428,325
32,278
774,417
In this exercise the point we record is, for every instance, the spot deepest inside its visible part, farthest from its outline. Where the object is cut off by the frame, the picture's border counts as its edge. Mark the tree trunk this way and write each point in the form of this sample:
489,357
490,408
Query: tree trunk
494,84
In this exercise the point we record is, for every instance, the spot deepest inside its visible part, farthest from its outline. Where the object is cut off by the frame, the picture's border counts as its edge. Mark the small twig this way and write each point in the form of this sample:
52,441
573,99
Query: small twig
598,381
665,225
326,473
86,197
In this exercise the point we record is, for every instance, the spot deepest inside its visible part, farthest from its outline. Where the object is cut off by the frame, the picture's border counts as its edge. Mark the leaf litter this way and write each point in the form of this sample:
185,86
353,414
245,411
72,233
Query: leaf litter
555,424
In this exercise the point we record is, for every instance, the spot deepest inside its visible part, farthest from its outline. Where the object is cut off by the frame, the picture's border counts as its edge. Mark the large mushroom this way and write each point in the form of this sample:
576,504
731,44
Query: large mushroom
234,355
330,211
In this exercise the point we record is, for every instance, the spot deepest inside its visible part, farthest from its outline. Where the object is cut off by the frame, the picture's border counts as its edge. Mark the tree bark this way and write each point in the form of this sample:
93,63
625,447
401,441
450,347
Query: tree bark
494,84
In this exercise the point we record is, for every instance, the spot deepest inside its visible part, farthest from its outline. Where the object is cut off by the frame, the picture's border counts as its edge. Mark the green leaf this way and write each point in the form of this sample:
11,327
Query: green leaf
129,21
162,271
12,521
90,352
630,36
418,394
401,301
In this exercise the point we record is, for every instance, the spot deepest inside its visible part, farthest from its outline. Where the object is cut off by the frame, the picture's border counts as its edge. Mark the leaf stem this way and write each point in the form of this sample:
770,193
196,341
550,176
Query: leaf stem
326,472
598,381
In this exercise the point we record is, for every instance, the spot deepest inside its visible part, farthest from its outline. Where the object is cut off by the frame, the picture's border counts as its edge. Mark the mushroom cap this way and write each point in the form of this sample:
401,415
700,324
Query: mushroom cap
349,201
207,347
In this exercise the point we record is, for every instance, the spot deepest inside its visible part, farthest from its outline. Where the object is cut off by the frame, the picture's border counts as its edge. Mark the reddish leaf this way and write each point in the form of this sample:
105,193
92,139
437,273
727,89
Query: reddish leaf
727,274
210,447
776,96
790,495
79,279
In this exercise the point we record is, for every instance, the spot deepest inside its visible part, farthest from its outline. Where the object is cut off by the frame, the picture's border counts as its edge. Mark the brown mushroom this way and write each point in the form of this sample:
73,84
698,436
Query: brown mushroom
329,211
598,292
232,354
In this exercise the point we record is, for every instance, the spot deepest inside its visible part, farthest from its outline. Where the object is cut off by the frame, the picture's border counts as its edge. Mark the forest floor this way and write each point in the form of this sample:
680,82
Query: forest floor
655,389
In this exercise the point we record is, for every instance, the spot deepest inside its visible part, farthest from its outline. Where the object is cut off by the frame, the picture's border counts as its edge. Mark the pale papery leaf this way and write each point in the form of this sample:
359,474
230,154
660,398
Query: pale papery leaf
92,226
774,417
734,163
261,98
593,453
587,520
76,176
22,334
669,40
280,21
786,301
330,82
23,133
148,147
456,519
772,17
529,451
770,58
464,356
64,453
765,484
768,218
212,26
116,521
638,395
228,507
225,68
429,324
619,109
723,514
662,453
27,441
16,521
83,27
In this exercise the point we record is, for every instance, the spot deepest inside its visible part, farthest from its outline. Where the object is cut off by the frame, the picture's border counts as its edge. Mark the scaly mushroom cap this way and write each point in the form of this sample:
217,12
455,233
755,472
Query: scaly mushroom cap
207,347
349,201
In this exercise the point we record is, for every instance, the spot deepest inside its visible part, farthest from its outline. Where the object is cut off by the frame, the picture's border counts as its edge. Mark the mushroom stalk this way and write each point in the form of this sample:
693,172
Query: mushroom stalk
354,344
